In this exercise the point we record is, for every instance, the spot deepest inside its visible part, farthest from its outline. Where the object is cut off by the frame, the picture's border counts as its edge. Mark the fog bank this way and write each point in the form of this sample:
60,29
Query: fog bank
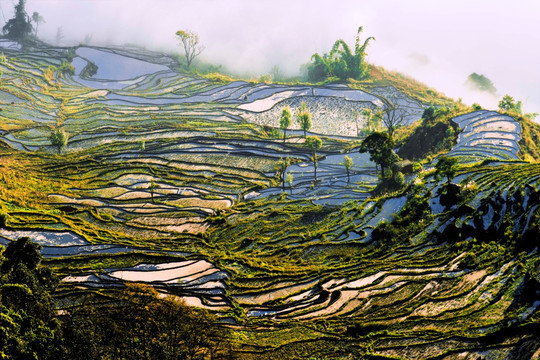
437,42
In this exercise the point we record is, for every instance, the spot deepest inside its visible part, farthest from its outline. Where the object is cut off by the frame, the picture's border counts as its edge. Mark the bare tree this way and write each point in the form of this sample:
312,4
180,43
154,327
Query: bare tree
189,40
392,117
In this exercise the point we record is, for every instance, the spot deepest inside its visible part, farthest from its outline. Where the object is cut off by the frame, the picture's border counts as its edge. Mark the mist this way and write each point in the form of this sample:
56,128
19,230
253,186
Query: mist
437,42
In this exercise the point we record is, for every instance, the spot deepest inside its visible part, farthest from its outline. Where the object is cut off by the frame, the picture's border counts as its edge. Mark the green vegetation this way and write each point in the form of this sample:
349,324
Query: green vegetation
89,70
408,269
435,134
530,139
303,117
136,323
380,147
285,121
19,27
347,164
508,104
341,62
446,167
133,323
29,326
59,138
289,179
314,143
189,41
481,83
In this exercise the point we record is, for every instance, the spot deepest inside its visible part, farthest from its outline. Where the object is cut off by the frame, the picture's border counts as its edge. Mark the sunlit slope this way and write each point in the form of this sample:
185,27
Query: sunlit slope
174,180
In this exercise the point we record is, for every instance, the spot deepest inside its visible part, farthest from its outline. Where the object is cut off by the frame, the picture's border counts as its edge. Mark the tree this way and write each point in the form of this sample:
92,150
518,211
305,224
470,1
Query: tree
348,163
281,168
318,69
189,40
28,325
446,167
59,35
285,121
380,147
341,62
88,38
140,324
37,19
152,187
429,115
507,103
314,143
290,179
19,27
393,117
275,73
303,117
59,138
476,107
481,83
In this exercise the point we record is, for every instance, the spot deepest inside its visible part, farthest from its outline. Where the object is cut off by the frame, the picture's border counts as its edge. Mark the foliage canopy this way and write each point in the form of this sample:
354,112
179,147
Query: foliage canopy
341,62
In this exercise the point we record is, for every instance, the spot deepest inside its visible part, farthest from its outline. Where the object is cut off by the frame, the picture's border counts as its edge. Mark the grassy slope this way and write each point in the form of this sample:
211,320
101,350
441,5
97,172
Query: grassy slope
266,241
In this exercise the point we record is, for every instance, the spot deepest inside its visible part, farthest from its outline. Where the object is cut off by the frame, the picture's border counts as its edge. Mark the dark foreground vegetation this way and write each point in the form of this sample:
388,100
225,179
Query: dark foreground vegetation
129,323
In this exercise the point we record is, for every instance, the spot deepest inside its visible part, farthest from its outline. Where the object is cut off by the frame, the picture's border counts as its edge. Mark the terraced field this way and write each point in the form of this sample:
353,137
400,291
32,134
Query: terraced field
174,180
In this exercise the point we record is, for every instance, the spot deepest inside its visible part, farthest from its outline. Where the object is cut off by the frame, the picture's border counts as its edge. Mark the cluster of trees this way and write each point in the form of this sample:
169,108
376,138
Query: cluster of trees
303,118
508,104
436,133
29,328
341,62
139,324
313,143
20,26
481,83
380,145
134,323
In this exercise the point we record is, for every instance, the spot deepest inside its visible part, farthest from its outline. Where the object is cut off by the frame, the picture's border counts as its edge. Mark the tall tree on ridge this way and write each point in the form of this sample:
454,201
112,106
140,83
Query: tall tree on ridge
189,40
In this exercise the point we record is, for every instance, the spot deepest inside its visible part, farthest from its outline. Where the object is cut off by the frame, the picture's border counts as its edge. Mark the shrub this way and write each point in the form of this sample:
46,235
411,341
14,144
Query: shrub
66,68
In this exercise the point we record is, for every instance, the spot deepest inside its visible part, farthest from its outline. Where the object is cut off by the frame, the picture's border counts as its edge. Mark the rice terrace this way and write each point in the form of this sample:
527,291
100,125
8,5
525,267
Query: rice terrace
156,206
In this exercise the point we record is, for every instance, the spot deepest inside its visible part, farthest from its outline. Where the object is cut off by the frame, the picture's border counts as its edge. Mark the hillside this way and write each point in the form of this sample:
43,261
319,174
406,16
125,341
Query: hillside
179,182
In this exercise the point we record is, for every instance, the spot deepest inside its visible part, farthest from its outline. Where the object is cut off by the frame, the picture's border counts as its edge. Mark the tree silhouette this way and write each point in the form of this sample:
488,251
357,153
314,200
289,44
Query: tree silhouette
380,147
20,26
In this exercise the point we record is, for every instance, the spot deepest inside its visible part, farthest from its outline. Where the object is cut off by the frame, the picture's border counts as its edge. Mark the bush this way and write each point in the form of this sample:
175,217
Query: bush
59,138
66,68
430,138
399,179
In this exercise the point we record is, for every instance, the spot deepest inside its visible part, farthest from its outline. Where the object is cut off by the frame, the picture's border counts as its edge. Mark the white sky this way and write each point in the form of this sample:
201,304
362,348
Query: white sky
438,42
